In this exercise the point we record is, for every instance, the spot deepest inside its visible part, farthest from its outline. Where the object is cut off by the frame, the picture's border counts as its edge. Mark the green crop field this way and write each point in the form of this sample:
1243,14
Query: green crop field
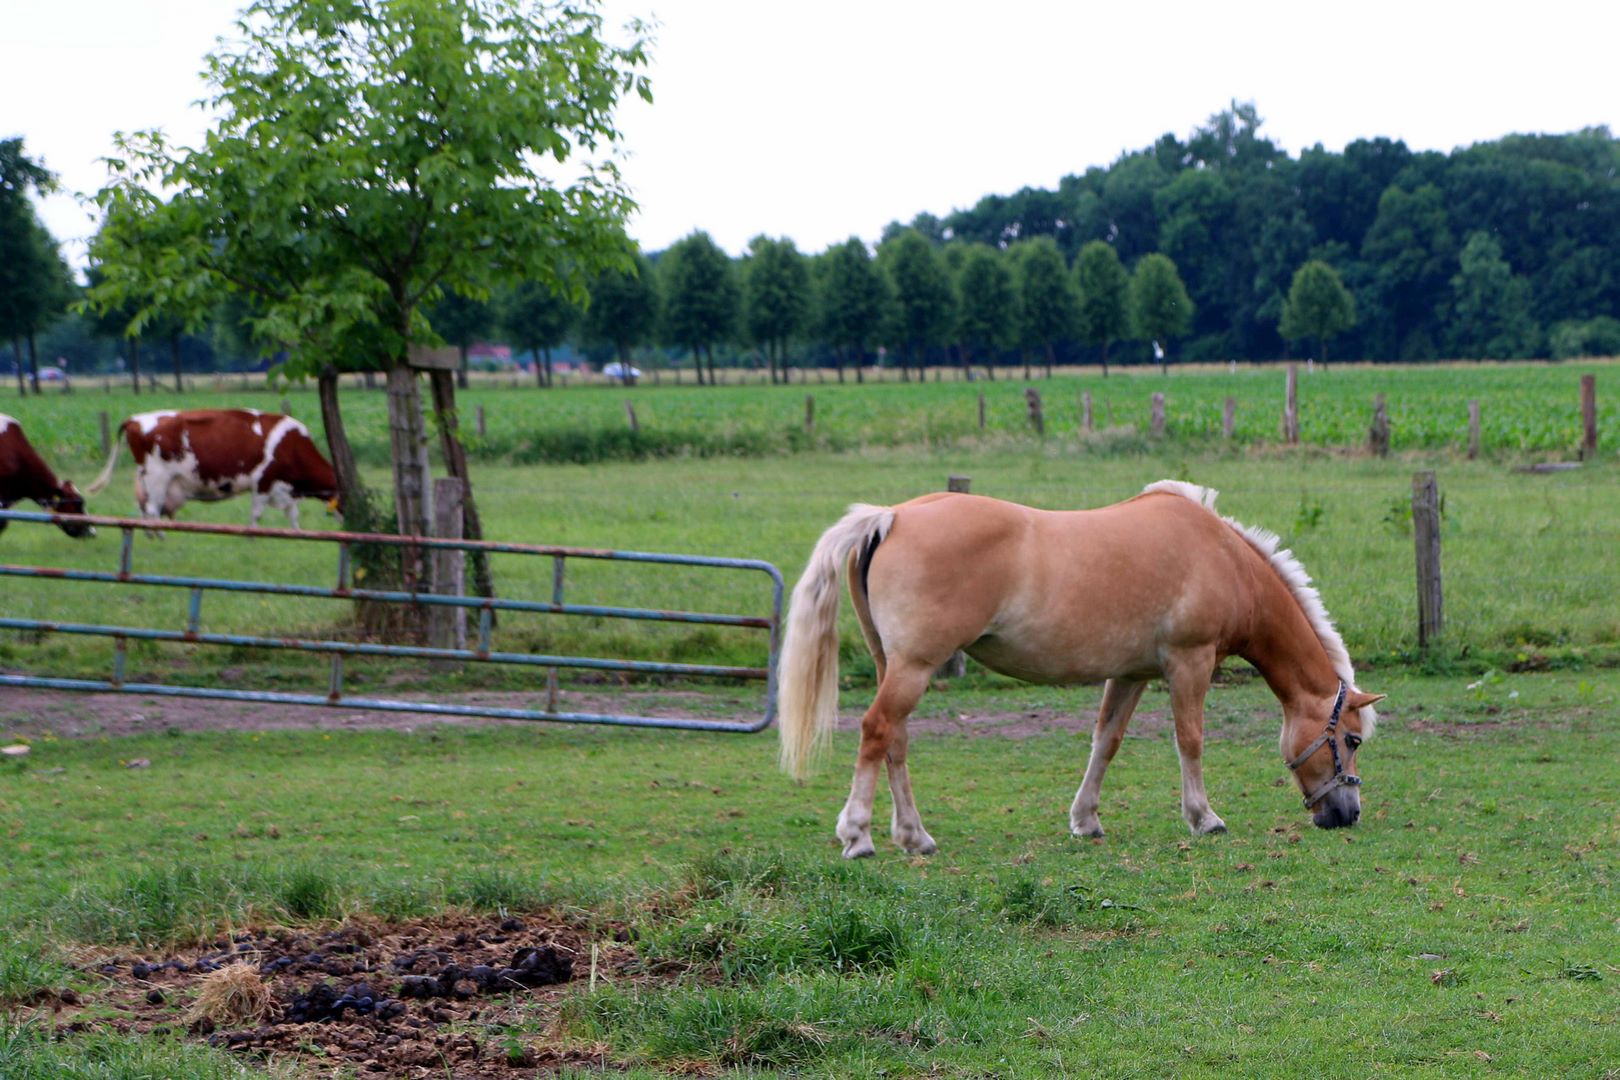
1465,927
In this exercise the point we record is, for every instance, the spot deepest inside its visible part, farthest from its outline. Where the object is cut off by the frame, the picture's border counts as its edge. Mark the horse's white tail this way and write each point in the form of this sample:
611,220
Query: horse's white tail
807,676
112,461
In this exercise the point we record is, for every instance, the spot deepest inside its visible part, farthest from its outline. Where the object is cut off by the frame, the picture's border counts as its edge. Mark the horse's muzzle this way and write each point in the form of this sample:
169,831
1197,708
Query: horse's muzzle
1339,808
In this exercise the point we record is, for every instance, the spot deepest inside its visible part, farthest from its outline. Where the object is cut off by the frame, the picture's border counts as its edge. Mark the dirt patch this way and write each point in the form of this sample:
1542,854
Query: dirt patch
435,998
72,715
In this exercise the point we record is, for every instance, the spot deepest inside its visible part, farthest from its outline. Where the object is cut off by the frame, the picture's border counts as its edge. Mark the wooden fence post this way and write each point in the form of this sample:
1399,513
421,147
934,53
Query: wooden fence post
956,666
1037,419
1158,415
483,430
1087,424
1473,429
1426,538
447,626
1378,434
809,413
1589,434
286,407
1228,418
1291,407
106,433
981,410
630,412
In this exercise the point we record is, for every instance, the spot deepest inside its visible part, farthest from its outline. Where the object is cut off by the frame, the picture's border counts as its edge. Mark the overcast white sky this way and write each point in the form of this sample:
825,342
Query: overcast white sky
821,120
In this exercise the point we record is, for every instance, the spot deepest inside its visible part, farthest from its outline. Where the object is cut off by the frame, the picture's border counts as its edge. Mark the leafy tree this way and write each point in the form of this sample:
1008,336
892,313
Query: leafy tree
776,297
1596,337
537,318
1490,304
701,298
1318,305
1104,287
1412,250
365,155
1048,305
624,308
987,314
925,302
35,283
460,321
853,299
1161,310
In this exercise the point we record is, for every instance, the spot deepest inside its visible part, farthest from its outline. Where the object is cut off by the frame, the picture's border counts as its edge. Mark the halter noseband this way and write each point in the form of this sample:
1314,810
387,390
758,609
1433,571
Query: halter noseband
1340,778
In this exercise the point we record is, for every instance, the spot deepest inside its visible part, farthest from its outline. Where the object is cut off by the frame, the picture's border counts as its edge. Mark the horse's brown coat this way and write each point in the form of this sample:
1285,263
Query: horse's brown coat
1156,586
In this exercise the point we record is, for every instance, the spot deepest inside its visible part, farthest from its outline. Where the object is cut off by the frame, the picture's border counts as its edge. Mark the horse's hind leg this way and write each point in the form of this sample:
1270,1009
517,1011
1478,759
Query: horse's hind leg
1189,675
1119,701
883,736
906,827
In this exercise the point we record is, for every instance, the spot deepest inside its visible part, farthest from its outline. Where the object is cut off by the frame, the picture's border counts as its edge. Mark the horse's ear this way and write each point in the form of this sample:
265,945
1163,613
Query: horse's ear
1357,700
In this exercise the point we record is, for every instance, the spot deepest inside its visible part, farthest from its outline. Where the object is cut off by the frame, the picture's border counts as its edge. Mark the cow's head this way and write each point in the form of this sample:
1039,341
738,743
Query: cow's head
67,500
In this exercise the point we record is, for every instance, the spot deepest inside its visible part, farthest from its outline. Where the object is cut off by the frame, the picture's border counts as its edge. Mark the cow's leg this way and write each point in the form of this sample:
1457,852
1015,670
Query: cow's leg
1189,674
903,684
260,501
1119,701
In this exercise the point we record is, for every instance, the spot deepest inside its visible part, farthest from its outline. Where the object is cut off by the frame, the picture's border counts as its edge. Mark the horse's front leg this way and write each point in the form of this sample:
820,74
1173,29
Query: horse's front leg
1189,674
883,730
1119,701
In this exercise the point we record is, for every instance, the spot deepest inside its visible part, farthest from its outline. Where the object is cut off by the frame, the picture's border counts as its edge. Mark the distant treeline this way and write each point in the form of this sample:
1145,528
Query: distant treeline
1220,246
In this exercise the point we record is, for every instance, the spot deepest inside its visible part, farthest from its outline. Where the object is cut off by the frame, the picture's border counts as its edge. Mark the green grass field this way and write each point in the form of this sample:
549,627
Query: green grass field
1465,927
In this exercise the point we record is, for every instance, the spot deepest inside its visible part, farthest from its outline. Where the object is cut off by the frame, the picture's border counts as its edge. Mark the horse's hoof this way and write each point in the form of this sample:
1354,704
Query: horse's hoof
1092,832
1210,828
859,849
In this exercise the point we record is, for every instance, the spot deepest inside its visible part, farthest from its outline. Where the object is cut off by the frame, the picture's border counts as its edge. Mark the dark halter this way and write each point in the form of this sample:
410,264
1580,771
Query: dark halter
1340,778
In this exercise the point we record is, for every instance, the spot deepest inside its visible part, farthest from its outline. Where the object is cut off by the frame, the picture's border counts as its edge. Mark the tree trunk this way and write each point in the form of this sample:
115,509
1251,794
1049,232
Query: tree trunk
408,449
838,355
455,463
1025,354
709,350
174,355
33,362
1049,358
546,350
135,363
697,364
539,370
461,372
16,354
337,444
1323,341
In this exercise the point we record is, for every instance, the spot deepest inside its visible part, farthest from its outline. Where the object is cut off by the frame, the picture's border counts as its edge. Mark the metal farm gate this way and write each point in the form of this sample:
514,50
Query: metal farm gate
346,589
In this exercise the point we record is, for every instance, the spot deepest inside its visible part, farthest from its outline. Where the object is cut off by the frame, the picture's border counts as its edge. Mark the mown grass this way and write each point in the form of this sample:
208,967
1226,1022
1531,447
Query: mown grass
1528,566
1465,927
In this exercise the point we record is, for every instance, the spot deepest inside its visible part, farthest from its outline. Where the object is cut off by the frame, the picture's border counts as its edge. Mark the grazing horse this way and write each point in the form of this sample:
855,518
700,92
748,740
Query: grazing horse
1159,585
24,475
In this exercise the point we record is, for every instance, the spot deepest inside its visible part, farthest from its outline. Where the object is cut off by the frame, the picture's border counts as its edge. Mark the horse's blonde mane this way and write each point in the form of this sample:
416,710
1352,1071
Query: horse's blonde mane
1293,574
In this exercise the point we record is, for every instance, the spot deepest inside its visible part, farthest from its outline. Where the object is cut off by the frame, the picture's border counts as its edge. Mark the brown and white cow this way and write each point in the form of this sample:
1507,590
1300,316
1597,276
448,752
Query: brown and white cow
24,475
213,454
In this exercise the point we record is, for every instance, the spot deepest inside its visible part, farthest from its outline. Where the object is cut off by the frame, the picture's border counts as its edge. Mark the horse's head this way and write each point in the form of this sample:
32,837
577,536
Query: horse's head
1320,746
69,501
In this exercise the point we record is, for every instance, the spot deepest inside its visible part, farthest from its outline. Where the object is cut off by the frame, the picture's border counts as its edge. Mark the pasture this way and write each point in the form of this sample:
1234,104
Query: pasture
1465,927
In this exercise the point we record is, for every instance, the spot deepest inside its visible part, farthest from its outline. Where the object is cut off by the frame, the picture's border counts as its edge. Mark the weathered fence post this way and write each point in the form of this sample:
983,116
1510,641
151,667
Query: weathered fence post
1291,407
630,412
1158,415
447,626
809,413
483,430
956,666
1473,429
106,433
1086,422
1037,419
1378,434
1228,418
1426,538
286,407
981,410
1589,417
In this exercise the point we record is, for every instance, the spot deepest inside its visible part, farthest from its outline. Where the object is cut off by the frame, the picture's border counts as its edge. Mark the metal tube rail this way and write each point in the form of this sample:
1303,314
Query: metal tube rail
344,590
